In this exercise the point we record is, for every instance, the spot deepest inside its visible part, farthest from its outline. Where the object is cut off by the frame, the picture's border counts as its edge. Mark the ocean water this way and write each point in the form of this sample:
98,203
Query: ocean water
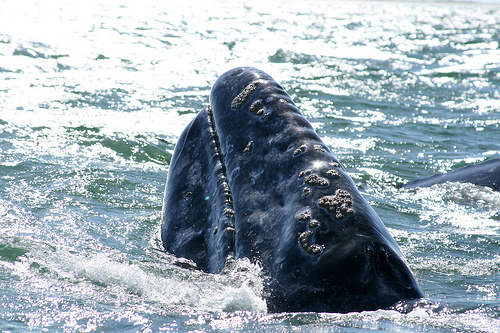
93,95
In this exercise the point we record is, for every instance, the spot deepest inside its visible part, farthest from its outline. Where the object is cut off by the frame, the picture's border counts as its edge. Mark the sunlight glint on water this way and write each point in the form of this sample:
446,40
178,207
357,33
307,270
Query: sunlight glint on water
95,94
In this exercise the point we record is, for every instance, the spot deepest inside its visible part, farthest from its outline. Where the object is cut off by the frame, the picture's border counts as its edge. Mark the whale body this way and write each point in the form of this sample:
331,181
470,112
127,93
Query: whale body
250,178
486,173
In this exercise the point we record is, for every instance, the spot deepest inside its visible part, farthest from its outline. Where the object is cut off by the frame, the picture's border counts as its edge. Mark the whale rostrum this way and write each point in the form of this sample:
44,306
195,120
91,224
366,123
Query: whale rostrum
250,178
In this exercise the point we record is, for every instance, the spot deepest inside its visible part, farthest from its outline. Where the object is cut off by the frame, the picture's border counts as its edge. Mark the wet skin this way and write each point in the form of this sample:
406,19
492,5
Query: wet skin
250,178
486,173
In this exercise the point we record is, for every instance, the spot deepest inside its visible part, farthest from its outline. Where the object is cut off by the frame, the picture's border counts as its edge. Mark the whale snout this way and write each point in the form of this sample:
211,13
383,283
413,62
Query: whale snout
387,273
250,178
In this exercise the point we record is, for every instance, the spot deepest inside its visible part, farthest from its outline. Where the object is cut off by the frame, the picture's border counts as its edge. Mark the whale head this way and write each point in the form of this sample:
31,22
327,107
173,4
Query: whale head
250,178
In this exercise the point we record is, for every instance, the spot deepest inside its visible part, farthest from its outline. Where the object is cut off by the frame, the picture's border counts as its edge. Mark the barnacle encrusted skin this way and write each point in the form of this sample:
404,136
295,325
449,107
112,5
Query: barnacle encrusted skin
299,150
333,173
243,96
256,108
248,149
304,173
305,216
338,205
305,240
319,148
335,164
315,180
313,224
228,212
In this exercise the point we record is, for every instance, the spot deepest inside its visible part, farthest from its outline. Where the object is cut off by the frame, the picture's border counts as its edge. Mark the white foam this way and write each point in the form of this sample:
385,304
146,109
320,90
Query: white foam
169,286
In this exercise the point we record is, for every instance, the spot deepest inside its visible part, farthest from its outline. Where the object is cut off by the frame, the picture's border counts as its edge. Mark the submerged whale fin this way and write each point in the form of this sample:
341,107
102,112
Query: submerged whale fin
486,173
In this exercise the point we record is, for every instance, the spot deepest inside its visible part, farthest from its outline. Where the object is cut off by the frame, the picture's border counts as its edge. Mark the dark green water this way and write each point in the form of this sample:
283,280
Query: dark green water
94,95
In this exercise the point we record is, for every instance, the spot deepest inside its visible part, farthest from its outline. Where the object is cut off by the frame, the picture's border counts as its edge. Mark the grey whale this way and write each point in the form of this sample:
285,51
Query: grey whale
250,178
486,173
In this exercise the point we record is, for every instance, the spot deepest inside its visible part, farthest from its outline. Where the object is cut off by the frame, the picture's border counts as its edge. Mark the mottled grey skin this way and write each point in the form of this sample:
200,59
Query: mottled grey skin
486,173
250,178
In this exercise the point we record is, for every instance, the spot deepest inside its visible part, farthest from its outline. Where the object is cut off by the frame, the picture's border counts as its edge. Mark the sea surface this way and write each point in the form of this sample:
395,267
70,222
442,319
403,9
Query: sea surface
94,94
